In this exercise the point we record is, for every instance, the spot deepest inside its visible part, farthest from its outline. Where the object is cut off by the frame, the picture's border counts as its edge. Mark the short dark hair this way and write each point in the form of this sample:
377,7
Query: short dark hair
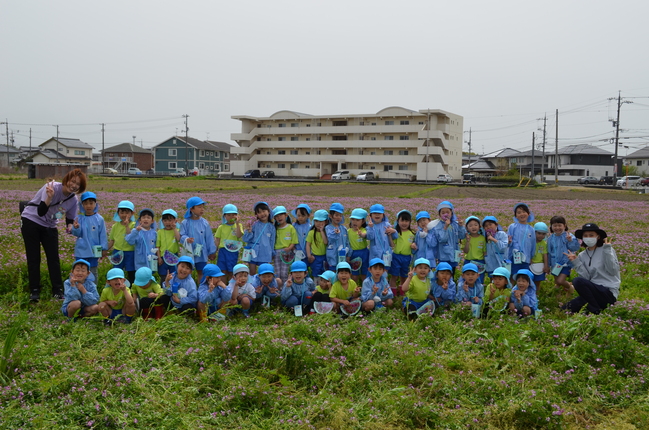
189,265
261,207
558,219
344,269
80,263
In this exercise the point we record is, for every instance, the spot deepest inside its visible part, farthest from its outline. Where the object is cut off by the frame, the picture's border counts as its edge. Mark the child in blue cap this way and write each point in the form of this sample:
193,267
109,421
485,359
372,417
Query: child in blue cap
243,293
213,293
302,225
195,230
144,238
498,291
380,234
497,244
167,241
228,239
522,238
523,301
425,241
80,293
124,223
180,286
146,290
416,288
448,233
116,302
376,291
285,242
90,229
359,258
344,290
338,241
298,289
267,286
469,287
260,238
316,243
443,288
321,294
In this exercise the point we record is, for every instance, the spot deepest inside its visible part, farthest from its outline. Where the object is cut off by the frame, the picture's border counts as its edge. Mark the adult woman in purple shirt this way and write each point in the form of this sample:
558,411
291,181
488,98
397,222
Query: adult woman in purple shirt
51,203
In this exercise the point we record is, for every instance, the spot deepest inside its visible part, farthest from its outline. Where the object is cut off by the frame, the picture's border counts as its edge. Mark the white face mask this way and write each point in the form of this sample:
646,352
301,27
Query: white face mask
590,241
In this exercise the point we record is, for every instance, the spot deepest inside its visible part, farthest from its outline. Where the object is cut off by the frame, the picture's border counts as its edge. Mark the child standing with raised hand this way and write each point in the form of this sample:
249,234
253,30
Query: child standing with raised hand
124,222
144,238
448,233
539,264
90,229
227,239
560,243
302,226
259,237
116,300
80,293
425,242
522,238
285,241
359,258
475,245
416,287
168,238
195,230
380,235
316,243
403,249
376,291
497,244
338,241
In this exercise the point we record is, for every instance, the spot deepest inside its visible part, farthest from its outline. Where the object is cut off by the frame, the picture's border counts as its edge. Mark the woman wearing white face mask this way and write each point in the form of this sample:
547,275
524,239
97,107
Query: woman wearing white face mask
598,284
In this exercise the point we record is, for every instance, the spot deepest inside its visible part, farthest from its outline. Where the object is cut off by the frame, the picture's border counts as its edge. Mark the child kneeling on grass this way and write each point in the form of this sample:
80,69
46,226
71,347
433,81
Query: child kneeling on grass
299,288
212,292
443,288
376,292
321,293
267,287
181,286
416,288
497,293
523,301
344,290
243,293
146,289
80,292
116,300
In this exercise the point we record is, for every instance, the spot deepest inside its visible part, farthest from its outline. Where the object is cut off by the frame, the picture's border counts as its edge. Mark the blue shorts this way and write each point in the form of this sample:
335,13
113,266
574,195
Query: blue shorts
115,313
517,267
407,301
227,260
128,262
318,265
364,255
539,278
164,268
400,265
566,270
65,309
200,266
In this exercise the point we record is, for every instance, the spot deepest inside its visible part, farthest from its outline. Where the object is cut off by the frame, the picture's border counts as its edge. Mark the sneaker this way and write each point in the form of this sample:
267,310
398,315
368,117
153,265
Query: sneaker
35,295
57,295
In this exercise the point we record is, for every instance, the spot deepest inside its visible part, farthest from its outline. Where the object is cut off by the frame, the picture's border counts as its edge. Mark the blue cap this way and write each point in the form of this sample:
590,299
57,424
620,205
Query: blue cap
146,210
185,259
541,227
443,266
375,261
530,218
124,204
377,209
328,275
321,215
419,261
114,274
445,204
279,210
171,212
82,261
88,195
191,202
501,271
142,277
343,265
475,218
337,207
489,218
211,270
470,267
298,266
240,268
422,214
301,206
358,213
524,272
265,268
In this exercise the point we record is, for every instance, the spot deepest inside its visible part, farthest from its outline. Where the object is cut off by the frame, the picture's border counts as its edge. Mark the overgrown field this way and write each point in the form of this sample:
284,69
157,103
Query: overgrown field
378,371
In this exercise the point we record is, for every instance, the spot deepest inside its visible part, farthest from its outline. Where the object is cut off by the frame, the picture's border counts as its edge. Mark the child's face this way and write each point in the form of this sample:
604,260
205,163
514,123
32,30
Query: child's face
124,214
540,236
298,276
522,283
404,224
337,218
301,216
357,223
169,223
558,228
344,275
377,271
376,218
443,276
423,222
184,270
445,213
262,215
490,226
324,284
198,210
499,282
521,215
117,283
146,221
422,271
266,278
80,272
241,278
230,218
89,206
470,277
280,219
473,227
319,224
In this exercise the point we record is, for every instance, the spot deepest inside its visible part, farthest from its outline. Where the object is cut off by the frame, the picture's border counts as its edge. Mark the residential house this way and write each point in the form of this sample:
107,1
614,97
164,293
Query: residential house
8,155
126,155
208,157
639,159
64,151
576,161
502,160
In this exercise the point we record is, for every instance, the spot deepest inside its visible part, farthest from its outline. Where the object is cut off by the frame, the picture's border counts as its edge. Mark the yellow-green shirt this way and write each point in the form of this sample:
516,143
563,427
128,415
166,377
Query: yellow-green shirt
541,248
338,292
500,296
316,248
403,242
355,240
477,247
167,241
144,292
285,236
226,232
418,289
319,289
118,234
108,294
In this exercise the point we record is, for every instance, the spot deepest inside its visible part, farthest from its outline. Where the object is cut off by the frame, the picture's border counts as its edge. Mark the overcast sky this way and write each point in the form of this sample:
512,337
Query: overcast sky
138,66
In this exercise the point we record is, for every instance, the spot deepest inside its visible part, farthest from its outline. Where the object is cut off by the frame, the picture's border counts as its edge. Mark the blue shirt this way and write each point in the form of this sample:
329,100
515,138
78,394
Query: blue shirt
379,242
188,284
265,291
529,298
302,231
557,245
298,290
368,285
261,238
448,240
476,291
336,240
72,293
426,245
201,231
447,295
216,297
496,253
91,232
144,241
523,240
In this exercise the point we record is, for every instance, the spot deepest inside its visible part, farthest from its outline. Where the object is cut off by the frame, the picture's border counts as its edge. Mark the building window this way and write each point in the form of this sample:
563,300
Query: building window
201,165
389,123
308,166
387,167
360,152
318,124
338,137
171,165
308,152
340,123
308,125
217,167
319,138
294,139
372,153
403,167
421,123
639,163
388,152
361,123
295,166
267,166
281,139
293,151
281,152
373,138
404,122
403,152
202,153
308,139
170,153
281,166
226,167
226,155
268,139
77,152
388,137
404,137
267,152
282,125
294,124
338,152
372,167
373,123
343,165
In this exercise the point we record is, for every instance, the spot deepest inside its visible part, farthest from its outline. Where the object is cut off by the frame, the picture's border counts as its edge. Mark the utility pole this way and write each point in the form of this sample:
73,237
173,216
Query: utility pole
57,144
469,149
533,142
30,141
545,118
556,149
186,145
103,150
616,124
7,133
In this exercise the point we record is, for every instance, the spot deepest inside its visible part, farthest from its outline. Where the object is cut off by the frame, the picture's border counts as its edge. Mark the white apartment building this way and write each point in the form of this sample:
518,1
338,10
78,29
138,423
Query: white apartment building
394,143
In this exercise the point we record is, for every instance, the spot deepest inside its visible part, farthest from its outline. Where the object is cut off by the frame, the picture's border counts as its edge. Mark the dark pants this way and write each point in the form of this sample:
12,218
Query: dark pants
147,302
318,297
35,235
596,297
